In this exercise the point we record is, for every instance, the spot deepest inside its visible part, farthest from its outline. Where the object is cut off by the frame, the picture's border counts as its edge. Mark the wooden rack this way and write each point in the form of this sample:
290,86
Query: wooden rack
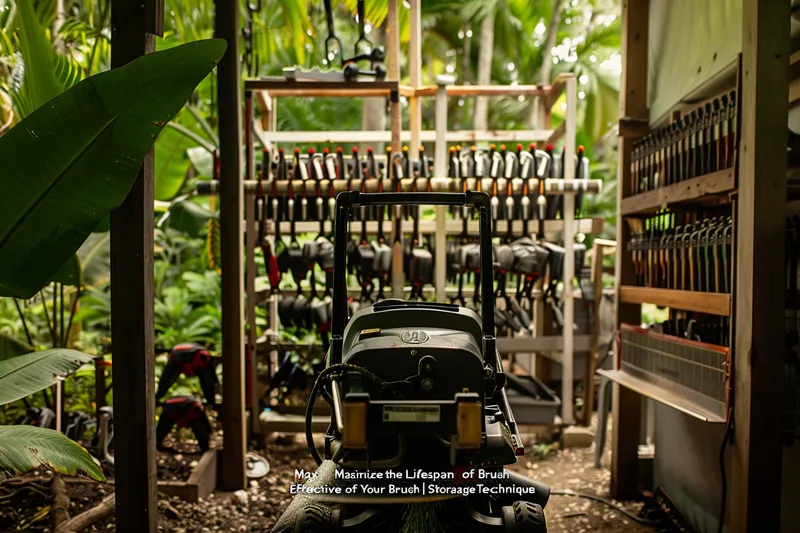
700,192
266,93
756,188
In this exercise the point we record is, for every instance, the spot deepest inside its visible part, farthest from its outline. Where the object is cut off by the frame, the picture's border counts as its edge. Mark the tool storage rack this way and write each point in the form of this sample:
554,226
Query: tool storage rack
756,189
266,92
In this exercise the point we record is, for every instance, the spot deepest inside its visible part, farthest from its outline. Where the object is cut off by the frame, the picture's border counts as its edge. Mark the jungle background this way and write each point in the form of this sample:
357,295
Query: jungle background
477,41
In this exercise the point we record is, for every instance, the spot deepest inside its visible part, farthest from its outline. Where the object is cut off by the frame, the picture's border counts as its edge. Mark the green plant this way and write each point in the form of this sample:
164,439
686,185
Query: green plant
96,135
23,448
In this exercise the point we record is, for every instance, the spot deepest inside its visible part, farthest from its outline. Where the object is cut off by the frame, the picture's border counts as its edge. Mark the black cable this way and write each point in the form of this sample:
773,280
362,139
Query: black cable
325,376
724,495
604,501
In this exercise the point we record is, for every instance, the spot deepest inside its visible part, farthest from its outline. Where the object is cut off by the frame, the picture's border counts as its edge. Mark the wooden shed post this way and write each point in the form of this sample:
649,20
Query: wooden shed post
229,92
133,28
760,248
626,405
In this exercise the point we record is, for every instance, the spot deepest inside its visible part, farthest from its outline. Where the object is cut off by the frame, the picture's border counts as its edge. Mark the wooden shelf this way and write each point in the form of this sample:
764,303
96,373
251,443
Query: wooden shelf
466,136
712,303
687,191
281,87
670,395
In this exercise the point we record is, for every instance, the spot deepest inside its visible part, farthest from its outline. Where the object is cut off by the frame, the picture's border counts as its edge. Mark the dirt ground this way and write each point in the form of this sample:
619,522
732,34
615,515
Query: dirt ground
257,509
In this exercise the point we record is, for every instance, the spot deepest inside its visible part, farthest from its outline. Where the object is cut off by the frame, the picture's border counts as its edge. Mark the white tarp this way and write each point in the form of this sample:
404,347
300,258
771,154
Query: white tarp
690,42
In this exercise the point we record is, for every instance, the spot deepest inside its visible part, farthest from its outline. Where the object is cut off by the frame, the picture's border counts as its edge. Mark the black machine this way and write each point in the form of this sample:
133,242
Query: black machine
184,411
189,359
415,386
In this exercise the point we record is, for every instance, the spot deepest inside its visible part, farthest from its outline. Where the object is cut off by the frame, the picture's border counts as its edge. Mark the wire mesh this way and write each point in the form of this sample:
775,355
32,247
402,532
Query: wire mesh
698,366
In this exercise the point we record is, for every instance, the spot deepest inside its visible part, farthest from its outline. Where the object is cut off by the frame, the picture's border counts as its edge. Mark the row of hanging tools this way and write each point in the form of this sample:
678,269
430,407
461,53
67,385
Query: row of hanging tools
505,174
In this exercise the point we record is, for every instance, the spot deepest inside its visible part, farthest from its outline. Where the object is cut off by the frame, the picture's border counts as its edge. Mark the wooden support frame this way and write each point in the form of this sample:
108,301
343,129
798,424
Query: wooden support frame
760,244
233,472
132,308
627,404
599,247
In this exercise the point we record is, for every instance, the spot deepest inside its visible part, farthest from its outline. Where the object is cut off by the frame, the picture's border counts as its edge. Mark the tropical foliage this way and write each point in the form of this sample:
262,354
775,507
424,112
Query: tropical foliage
71,157
45,52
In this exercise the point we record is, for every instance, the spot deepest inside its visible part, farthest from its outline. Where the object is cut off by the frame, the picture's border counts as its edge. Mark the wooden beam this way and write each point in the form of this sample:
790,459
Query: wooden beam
470,91
755,488
132,311
626,406
712,303
395,125
633,128
154,13
251,173
686,191
415,72
375,136
557,134
229,94
280,86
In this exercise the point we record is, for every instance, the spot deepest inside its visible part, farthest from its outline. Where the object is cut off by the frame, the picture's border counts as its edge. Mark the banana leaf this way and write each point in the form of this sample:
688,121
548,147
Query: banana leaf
187,217
203,162
46,73
23,448
23,375
172,164
73,160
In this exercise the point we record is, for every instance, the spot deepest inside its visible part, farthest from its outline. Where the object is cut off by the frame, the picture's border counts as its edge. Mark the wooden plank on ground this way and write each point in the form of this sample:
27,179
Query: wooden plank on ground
755,488
204,475
132,311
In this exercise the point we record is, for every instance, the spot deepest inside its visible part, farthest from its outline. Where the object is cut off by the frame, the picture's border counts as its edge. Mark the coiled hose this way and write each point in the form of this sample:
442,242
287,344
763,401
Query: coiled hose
325,376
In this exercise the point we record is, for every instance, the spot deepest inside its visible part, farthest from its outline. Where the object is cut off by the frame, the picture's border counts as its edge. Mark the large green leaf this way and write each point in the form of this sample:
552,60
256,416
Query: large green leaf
23,375
39,81
23,448
187,217
69,273
172,164
95,136
95,259
203,162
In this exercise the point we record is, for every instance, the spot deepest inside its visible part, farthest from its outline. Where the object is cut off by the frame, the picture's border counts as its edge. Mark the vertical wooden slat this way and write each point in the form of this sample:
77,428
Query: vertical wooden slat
626,405
232,473
396,125
132,311
568,202
250,265
154,13
759,331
